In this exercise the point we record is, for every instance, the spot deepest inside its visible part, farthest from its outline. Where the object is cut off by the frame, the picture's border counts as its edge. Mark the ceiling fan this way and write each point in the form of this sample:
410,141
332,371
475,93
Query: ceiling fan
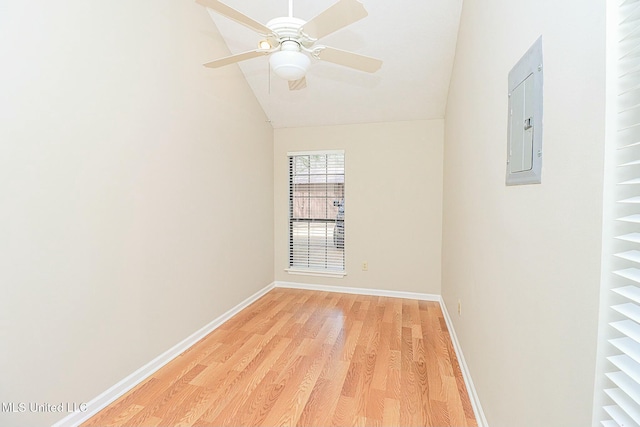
290,42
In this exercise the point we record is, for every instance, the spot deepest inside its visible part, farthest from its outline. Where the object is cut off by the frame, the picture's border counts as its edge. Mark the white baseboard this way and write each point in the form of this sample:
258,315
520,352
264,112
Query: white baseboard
359,291
101,401
473,395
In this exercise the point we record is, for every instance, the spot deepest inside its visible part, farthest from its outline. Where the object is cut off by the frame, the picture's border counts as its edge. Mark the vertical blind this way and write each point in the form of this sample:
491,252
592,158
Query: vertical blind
622,335
316,211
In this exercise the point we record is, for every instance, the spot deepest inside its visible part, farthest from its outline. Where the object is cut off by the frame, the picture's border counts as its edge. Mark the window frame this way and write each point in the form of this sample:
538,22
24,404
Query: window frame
312,271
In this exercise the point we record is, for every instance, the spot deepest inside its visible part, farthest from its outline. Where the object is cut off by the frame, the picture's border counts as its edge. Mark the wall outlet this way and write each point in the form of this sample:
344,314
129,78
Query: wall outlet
459,308
365,266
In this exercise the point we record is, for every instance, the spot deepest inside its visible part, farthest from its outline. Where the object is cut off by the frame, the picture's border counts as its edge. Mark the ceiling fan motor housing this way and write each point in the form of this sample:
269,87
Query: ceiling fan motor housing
288,28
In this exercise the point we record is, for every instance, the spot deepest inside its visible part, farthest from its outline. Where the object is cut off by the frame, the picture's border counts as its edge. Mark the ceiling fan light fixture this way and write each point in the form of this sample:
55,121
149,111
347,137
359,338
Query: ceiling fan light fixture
264,44
289,63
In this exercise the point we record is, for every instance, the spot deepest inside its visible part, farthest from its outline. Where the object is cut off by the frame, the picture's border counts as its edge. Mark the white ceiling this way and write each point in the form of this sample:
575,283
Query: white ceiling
416,39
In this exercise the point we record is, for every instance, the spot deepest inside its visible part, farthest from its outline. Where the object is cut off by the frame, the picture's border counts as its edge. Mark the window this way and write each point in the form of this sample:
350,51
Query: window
618,390
316,212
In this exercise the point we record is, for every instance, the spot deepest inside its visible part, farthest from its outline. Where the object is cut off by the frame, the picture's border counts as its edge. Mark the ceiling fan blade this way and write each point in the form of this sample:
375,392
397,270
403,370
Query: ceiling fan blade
237,16
298,84
338,16
235,58
349,59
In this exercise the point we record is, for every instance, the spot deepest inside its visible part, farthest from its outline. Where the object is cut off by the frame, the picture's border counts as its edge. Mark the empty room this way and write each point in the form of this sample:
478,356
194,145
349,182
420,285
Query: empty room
320,213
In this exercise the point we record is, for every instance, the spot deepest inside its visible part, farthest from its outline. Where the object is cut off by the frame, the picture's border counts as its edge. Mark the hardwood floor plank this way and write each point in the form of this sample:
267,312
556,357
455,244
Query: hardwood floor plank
308,358
112,411
300,388
406,350
330,382
393,384
344,414
391,413
252,380
367,406
201,401
374,408
316,403
382,367
255,407
235,382
465,400
409,406
434,349
160,403
289,407
439,414
126,415
456,417
182,402
296,346
277,388
355,371
396,330
151,422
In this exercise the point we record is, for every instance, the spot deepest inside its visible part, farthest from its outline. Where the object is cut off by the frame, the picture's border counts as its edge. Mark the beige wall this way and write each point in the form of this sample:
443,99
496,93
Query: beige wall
524,261
393,181
135,186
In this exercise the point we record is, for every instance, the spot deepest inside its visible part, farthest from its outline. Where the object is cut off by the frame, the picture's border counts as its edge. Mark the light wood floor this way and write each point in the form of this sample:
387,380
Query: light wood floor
308,358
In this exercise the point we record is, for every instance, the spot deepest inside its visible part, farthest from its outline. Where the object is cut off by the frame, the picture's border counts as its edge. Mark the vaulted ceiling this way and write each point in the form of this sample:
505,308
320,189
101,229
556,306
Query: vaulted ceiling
415,39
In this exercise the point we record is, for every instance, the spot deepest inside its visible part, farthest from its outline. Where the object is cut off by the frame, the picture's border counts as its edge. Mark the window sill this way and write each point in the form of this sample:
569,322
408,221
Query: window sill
301,272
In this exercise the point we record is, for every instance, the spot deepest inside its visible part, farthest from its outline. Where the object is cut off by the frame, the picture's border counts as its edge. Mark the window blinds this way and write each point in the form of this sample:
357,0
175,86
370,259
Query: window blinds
316,211
622,407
